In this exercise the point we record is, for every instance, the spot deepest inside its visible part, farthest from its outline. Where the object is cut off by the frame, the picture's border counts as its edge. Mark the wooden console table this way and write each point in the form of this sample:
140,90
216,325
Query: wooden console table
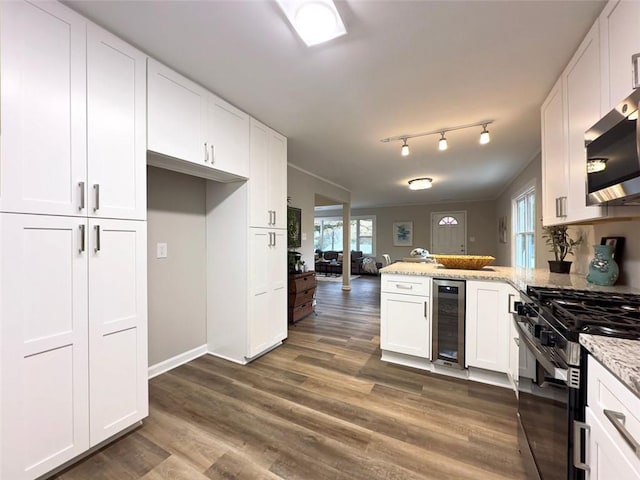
302,287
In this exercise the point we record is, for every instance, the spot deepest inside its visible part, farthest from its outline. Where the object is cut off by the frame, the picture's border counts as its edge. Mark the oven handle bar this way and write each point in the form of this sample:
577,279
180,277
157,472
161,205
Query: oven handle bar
577,449
556,373
618,419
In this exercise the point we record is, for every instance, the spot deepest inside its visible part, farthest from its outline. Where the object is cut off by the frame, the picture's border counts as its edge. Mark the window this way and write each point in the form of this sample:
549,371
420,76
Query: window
444,221
524,212
327,234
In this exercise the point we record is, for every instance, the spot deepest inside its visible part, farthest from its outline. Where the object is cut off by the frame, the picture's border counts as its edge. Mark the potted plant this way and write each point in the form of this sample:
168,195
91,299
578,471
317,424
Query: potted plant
561,245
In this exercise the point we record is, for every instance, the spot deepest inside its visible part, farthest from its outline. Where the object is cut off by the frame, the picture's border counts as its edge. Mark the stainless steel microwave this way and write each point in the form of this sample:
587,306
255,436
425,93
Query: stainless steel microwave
613,156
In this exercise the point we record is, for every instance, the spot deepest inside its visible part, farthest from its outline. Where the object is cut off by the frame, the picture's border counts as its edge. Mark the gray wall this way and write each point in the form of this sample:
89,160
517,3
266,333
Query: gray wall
177,284
631,255
483,232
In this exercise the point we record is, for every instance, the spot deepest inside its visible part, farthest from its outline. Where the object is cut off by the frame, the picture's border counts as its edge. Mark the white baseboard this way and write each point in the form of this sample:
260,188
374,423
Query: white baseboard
173,362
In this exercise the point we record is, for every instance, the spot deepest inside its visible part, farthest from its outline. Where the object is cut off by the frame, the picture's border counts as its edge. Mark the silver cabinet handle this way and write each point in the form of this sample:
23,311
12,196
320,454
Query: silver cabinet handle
82,235
81,185
578,427
510,302
275,239
275,218
213,154
618,419
634,67
425,309
517,340
557,207
97,227
206,153
563,206
96,207
404,287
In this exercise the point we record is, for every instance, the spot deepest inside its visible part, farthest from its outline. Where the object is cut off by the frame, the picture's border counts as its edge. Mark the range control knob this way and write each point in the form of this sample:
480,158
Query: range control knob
547,338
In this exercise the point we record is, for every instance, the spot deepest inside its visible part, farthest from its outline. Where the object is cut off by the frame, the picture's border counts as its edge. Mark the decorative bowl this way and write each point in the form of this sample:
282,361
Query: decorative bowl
464,262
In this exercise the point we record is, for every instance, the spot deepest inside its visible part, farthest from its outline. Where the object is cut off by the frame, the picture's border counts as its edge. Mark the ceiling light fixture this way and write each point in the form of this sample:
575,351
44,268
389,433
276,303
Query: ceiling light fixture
404,151
484,135
316,21
420,183
595,165
442,143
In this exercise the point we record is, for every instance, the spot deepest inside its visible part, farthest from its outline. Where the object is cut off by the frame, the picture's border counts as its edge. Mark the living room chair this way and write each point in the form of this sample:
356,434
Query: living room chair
387,259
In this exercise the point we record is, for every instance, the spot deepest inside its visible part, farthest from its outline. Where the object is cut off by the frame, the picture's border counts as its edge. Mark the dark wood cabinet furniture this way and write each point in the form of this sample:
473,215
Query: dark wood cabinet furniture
302,288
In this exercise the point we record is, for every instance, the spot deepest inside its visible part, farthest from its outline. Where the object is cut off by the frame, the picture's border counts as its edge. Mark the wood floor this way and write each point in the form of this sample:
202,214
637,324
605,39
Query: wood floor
322,406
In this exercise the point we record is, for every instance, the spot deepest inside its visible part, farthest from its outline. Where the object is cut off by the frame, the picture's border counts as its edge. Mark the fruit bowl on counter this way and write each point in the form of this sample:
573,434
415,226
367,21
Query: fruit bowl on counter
463,262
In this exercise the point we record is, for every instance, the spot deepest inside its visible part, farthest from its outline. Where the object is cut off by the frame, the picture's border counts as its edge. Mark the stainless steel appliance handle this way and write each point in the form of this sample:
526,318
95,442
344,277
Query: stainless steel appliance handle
96,207
556,373
97,249
618,419
81,185
510,297
82,235
634,66
578,427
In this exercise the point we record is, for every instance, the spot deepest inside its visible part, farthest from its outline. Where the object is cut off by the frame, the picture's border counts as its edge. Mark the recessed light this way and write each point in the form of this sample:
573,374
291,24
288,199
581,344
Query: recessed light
316,21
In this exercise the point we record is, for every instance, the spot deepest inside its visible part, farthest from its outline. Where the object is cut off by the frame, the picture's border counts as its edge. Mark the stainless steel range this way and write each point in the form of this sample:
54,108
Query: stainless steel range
552,379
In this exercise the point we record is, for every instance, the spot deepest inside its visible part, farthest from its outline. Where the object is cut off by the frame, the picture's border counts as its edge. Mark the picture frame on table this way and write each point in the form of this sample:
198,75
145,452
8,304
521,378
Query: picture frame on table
618,246
403,234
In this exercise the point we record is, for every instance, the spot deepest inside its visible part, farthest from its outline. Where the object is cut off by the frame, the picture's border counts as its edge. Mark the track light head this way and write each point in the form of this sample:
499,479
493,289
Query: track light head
484,135
404,151
442,143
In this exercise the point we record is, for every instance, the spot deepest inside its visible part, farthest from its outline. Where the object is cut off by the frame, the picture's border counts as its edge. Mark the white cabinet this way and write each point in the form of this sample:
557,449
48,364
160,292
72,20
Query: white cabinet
268,179
405,325
514,355
43,343
117,326
488,325
43,117
620,41
267,326
116,127
202,134
611,404
554,164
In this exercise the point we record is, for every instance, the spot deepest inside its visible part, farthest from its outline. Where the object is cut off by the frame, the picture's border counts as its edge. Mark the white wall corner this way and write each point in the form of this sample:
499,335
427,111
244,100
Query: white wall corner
181,359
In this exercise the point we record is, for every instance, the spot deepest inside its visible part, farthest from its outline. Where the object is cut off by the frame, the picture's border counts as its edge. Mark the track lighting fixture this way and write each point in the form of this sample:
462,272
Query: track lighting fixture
442,143
404,151
420,183
484,135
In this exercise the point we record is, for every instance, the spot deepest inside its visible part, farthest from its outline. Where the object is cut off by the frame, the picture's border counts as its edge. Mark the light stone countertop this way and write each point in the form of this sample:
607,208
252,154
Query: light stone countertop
622,357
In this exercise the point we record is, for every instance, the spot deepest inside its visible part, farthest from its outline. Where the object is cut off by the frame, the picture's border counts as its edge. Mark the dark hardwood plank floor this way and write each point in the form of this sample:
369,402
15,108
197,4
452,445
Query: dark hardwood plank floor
322,406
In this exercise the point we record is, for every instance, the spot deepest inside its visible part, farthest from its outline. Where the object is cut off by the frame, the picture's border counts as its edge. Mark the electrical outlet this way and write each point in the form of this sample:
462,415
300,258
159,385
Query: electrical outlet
161,250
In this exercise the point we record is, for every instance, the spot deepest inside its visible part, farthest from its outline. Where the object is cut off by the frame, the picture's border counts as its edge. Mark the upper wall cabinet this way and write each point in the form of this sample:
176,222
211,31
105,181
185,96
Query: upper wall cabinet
73,116
620,41
268,183
202,134
43,117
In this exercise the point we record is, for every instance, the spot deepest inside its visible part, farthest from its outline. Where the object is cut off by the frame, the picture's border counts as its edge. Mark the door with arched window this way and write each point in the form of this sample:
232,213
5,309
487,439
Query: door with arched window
449,233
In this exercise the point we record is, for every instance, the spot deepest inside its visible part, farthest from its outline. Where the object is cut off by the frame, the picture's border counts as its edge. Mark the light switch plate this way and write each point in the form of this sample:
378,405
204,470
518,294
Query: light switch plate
304,236
161,250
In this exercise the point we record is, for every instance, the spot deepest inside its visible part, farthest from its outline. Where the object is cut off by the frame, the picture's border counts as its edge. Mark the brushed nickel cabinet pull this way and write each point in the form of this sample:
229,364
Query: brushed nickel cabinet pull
275,218
96,187
425,309
81,185
206,153
82,235
97,249
213,154
618,419
634,67
510,303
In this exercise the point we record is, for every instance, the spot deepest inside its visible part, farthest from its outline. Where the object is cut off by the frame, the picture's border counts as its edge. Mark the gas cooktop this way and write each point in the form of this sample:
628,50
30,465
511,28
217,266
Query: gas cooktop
587,311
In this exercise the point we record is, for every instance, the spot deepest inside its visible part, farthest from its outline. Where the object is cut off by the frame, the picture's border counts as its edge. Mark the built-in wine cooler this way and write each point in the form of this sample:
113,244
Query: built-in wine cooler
448,322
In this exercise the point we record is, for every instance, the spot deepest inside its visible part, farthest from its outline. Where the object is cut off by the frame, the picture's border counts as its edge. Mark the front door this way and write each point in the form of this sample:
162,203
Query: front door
449,233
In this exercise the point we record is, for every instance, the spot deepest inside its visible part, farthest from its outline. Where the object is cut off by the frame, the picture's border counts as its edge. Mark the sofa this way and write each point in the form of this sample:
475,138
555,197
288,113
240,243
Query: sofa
330,263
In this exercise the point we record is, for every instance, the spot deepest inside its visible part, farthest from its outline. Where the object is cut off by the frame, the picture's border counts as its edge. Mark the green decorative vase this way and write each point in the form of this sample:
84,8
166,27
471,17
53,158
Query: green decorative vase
603,270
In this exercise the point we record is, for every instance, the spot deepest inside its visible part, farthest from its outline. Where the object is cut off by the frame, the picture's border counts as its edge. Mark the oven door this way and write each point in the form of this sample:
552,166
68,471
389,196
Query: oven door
546,410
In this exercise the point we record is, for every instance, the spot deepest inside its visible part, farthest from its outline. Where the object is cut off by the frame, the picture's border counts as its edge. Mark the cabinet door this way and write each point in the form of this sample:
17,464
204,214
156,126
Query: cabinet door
514,356
43,351
487,325
259,210
116,127
554,160
404,324
582,77
605,457
278,179
117,325
228,136
43,108
176,115
620,39
267,313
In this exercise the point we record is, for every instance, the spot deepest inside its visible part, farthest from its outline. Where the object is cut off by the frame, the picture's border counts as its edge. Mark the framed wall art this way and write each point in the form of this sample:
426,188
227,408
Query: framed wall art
402,234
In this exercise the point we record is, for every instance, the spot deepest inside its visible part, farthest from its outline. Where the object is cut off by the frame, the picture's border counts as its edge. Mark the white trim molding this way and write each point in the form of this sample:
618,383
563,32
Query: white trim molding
173,362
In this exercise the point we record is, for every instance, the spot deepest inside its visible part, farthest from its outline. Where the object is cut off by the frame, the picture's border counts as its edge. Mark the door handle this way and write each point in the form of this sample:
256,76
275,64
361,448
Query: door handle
82,235
97,227
96,207
578,427
81,185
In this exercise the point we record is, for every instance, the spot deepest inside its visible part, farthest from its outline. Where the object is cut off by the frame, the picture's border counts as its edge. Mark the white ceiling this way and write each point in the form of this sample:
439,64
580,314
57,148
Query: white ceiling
404,67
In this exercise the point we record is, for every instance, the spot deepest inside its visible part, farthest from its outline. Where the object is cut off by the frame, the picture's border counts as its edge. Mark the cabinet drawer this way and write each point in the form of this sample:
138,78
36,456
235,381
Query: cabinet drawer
299,298
405,284
606,393
302,283
301,311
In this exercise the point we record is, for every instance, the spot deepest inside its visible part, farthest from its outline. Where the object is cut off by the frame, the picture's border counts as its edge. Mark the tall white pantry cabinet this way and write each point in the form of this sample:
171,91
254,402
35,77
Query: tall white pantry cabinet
73,301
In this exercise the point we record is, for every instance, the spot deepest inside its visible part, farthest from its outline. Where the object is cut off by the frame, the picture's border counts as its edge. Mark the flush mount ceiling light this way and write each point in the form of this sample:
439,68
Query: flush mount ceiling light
420,183
595,165
442,143
316,21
